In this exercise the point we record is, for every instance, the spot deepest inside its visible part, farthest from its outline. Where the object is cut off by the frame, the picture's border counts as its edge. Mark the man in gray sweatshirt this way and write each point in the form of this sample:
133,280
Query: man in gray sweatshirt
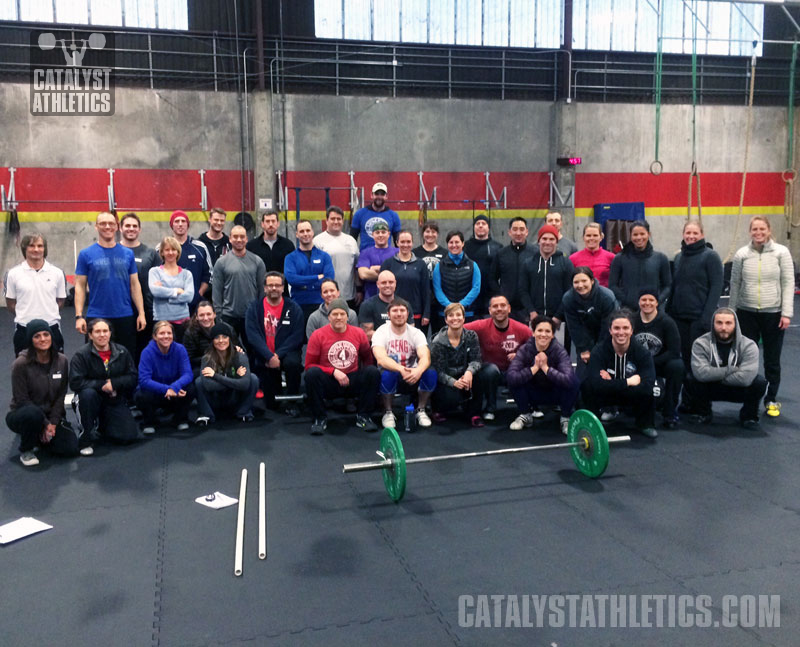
238,280
724,367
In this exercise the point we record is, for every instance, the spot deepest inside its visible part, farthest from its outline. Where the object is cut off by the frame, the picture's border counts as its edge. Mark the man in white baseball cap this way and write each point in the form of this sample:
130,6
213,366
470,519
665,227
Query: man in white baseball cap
365,219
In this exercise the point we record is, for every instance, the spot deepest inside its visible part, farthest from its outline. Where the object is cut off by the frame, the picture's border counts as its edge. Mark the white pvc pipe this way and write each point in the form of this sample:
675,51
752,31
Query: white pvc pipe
262,512
237,567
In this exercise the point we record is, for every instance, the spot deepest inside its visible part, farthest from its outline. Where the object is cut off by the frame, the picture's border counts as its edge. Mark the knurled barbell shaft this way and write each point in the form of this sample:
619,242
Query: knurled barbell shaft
385,464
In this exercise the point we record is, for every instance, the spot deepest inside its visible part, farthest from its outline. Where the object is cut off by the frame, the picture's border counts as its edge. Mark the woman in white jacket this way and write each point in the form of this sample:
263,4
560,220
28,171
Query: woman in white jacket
762,294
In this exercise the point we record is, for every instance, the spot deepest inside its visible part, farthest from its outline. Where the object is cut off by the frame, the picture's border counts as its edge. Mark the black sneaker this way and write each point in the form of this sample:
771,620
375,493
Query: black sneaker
364,423
248,417
292,411
751,423
319,426
702,418
670,423
650,432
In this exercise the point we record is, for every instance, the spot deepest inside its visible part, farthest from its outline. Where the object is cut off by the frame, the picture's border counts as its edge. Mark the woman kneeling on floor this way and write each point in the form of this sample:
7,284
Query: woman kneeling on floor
38,384
225,382
456,357
103,376
165,380
541,373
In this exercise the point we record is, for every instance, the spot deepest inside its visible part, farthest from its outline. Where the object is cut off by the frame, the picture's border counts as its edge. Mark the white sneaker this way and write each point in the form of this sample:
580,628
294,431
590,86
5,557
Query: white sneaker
423,420
537,413
488,416
388,420
148,431
564,425
87,451
521,421
28,459
183,426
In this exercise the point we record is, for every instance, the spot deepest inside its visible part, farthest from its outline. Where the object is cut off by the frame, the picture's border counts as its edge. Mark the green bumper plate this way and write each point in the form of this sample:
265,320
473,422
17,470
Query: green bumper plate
591,457
394,477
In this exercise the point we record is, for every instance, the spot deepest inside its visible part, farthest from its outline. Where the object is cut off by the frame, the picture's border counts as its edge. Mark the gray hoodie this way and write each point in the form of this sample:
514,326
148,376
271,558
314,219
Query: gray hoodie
319,319
742,366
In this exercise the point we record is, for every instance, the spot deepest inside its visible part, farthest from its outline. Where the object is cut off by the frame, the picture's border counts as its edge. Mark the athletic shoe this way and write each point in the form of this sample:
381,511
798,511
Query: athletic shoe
148,431
488,416
248,417
292,411
521,421
564,425
608,415
536,413
670,423
650,432
422,419
87,451
773,409
438,417
183,426
319,426
750,424
701,418
388,420
202,421
476,421
28,459
259,395
364,423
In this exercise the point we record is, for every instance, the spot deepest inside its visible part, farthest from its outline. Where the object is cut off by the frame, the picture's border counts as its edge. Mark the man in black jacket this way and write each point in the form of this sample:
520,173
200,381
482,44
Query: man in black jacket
482,249
270,247
621,373
658,333
507,266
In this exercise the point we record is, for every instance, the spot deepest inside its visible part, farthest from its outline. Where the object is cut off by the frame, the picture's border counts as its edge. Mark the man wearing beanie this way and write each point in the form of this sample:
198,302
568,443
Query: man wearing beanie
658,333
339,364
482,249
547,277
194,256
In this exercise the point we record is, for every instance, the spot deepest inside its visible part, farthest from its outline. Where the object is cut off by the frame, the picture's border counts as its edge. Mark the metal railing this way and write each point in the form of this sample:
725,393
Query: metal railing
209,61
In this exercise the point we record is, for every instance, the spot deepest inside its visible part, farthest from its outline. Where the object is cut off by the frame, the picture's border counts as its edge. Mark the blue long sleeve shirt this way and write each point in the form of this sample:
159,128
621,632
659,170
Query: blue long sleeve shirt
302,274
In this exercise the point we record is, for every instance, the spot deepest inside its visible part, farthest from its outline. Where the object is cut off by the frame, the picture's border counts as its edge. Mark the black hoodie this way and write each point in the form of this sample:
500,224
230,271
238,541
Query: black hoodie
696,283
632,270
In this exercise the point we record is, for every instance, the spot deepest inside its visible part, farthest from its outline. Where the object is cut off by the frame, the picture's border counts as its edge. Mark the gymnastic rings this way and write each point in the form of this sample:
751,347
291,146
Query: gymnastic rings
789,175
656,168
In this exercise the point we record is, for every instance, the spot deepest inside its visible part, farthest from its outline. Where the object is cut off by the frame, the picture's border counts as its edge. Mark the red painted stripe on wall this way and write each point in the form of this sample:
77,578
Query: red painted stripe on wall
672,189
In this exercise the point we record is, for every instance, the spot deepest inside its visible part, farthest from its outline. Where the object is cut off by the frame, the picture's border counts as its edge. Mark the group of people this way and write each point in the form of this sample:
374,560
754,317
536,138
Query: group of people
225,320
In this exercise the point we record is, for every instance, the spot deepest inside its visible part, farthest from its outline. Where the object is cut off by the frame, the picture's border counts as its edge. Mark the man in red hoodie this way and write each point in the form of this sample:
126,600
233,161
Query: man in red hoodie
499,337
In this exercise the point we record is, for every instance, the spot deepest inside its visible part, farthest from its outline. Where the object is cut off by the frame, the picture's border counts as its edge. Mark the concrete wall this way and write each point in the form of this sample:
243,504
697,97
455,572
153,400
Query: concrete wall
193,129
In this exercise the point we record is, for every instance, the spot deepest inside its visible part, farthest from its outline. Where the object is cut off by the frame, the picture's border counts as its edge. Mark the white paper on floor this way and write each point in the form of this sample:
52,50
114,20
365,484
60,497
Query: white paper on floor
20,528
216,500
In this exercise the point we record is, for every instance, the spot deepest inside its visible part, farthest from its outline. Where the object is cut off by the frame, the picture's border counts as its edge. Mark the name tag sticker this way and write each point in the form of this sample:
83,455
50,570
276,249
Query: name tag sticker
286,321
316,260
192,256
56,376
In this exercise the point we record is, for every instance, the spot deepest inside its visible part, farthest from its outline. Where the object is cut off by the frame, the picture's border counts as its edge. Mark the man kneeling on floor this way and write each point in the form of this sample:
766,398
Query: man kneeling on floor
621,373
402,353
339,364
724,367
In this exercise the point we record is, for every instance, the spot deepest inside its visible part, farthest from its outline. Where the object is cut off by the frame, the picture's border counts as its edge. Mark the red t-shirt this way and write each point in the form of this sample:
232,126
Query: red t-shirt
272,316
329,350
497,344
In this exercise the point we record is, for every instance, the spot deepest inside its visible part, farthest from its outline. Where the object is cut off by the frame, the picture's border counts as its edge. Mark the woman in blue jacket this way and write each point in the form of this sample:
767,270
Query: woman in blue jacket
456,278
165,380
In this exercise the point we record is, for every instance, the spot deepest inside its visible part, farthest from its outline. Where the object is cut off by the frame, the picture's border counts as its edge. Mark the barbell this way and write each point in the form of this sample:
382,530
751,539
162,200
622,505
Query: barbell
587,442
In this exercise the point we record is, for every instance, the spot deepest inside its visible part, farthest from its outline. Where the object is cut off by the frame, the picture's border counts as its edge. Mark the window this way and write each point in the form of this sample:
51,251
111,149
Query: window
154,14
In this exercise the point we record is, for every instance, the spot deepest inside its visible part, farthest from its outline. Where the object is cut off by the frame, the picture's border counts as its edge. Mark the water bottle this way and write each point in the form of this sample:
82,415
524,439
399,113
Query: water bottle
409,419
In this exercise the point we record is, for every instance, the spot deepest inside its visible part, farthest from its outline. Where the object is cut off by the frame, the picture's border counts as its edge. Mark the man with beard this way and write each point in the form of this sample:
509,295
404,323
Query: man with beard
215,239
724,367
194,257
365,219
507,268
270,247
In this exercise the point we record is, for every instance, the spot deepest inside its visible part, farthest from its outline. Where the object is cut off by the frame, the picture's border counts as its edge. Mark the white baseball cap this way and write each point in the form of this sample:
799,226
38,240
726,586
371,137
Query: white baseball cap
379,186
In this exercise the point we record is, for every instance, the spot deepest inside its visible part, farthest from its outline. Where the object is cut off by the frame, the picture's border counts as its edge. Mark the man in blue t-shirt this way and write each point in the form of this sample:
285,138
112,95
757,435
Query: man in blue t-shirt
365,218
109,272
